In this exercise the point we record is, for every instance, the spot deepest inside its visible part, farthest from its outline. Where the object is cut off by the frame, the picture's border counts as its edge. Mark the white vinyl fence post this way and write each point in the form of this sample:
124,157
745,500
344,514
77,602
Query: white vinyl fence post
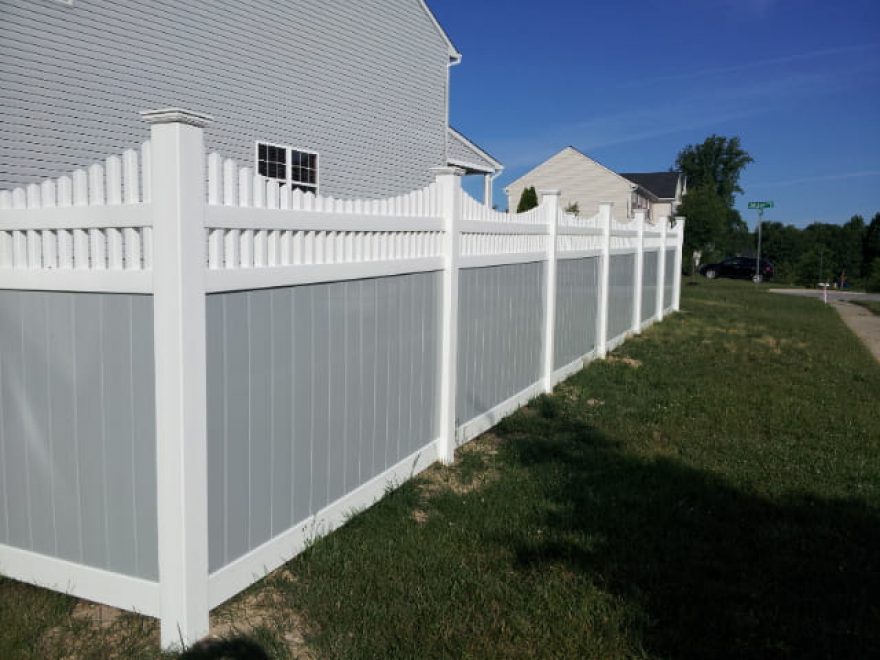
639,274
178,200
661,267
550,210
604,277
679,253
449,185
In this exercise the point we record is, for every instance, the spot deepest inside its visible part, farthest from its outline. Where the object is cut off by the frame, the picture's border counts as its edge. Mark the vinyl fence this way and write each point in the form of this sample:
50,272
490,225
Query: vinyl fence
201,370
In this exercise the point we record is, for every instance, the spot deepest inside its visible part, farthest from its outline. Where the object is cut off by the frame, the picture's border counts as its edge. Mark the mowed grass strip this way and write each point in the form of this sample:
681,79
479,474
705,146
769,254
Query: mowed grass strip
711,490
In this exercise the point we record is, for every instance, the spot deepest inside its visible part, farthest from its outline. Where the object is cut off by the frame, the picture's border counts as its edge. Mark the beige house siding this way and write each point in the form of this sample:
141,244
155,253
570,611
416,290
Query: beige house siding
660,210
580,180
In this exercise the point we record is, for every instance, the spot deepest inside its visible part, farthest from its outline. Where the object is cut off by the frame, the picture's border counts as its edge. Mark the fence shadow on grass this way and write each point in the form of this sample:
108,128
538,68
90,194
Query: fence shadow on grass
718,573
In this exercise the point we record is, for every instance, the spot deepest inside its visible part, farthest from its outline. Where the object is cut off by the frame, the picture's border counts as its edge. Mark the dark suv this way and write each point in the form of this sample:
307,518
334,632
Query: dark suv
740,268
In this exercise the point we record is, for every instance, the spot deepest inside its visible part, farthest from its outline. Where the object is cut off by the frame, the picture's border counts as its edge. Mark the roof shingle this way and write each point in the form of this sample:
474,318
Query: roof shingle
661,184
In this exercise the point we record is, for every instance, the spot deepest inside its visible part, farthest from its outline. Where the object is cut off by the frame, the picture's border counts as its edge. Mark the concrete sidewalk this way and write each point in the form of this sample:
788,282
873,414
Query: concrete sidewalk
863,323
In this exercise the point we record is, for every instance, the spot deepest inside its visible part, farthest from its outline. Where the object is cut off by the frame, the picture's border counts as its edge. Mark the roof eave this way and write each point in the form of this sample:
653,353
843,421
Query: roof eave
454,55
499,166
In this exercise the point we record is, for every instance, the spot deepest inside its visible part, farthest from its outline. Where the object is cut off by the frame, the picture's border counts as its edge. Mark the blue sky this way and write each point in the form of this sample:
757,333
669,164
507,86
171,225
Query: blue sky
630,83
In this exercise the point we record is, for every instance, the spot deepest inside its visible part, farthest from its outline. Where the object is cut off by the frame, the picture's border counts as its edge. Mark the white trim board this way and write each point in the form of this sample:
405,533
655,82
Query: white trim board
512,228
578,254
486,260
482,423
563,373
244,279
118,216
233,578
91,281
248,217
114,589
617,341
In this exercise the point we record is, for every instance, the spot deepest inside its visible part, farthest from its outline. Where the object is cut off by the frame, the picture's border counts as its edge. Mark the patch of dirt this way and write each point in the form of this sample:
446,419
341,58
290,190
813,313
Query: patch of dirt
419,516
93,629
264,606
99,616
567,392
628,361
440,478
772,343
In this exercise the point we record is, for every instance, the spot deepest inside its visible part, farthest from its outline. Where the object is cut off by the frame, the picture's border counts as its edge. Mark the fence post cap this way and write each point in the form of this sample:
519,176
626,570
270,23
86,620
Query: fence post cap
176,116
550,192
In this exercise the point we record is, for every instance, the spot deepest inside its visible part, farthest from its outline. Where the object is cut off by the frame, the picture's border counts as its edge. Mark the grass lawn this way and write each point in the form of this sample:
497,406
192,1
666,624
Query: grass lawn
712,490
872,306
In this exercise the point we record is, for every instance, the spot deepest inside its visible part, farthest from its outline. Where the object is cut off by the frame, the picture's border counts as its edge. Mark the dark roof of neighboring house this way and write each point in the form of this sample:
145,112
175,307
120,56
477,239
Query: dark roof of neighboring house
661,184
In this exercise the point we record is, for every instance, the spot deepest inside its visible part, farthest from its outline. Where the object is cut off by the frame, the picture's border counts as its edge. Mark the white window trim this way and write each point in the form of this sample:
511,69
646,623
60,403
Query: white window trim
288,148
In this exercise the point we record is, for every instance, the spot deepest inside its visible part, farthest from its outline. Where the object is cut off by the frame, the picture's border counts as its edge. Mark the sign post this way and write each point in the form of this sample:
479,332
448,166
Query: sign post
760,206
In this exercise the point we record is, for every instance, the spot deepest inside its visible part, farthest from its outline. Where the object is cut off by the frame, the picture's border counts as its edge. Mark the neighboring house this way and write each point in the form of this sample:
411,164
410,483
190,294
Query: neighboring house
588,183
349,99
666,189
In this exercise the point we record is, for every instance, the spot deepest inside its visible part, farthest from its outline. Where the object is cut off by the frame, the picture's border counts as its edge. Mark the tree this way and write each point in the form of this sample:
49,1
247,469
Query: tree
871,246
712,170
528,200
573,208
706,215
716,163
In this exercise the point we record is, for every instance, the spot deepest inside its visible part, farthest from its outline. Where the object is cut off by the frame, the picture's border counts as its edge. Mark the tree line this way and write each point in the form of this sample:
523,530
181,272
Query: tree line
820,252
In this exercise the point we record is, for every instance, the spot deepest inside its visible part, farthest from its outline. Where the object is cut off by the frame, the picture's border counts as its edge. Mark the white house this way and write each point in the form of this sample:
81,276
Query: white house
665,189
587,183
348,99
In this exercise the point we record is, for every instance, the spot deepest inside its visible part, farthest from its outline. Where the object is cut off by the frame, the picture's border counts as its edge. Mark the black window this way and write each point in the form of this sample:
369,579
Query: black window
296,167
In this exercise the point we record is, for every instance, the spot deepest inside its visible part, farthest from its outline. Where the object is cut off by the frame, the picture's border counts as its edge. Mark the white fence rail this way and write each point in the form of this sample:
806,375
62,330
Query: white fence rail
170,222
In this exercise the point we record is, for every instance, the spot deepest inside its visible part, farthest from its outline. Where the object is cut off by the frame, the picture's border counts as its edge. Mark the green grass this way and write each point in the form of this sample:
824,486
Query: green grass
872,306
715,494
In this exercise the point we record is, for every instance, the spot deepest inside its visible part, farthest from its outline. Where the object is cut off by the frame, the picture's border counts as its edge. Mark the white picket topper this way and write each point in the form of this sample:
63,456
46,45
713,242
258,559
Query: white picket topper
90,222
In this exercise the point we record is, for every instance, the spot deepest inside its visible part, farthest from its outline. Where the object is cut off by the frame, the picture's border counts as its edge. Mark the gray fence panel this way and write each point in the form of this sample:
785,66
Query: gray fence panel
577,289
313,391
77,428
649,284
669,278
621,291
499,335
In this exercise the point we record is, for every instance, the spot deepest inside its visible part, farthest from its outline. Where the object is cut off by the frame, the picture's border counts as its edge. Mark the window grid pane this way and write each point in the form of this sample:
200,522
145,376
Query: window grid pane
273,161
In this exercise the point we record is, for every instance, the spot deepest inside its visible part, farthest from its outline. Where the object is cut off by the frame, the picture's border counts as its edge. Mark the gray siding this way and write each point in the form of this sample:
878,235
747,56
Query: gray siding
364,84
577,289
77,429
499,335
459,152
621,293
649,284
669,278
313,391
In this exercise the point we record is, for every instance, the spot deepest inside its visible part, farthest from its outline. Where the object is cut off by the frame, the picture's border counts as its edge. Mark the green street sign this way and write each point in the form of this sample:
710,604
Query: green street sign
760,205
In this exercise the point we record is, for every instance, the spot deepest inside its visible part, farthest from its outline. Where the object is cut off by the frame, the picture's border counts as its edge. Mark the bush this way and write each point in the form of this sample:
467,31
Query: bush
528,200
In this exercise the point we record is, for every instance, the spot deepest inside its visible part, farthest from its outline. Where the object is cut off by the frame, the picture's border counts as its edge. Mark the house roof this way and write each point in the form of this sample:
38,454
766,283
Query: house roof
580,154
462,152
454,55
664,185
